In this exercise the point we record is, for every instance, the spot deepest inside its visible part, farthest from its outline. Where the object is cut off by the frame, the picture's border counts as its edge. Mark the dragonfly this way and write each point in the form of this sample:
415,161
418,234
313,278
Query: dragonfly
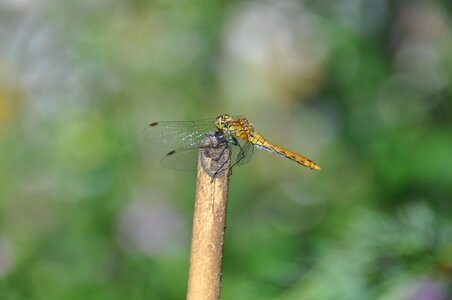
236,133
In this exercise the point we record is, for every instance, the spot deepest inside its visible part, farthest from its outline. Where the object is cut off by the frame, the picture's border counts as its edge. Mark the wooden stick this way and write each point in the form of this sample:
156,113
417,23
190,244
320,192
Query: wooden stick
209,221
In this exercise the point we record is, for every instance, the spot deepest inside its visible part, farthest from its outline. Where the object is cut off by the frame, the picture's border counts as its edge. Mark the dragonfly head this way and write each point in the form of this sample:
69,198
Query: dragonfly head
222,122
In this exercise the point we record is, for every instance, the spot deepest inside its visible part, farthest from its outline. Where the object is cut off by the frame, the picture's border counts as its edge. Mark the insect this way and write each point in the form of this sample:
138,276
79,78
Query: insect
237,133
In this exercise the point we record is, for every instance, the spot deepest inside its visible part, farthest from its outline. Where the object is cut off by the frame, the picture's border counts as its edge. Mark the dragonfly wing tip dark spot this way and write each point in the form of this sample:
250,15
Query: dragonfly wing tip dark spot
171,152
153,124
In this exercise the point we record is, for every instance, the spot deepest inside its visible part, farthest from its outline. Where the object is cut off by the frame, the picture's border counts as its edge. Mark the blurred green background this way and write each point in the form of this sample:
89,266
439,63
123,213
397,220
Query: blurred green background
363,88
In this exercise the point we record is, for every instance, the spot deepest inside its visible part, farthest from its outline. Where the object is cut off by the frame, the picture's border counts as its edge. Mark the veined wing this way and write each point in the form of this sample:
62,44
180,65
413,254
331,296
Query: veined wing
242,153
187,159
178,134
181,160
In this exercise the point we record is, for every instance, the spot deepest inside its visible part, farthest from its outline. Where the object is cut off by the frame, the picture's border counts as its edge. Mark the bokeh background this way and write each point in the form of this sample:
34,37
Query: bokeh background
361,87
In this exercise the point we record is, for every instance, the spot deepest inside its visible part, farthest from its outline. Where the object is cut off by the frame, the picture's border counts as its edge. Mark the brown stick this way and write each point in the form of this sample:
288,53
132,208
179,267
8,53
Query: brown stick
209,220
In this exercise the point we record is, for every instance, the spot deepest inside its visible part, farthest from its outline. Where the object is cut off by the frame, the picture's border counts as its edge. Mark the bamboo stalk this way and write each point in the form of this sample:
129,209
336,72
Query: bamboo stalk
209,221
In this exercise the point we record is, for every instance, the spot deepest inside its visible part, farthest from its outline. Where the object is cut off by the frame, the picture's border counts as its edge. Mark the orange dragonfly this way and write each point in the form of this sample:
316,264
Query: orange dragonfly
237,133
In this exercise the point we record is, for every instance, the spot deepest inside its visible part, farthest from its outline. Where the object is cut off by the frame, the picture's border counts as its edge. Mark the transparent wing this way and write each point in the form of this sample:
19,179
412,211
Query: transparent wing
187,159
242,153
178,134
181,160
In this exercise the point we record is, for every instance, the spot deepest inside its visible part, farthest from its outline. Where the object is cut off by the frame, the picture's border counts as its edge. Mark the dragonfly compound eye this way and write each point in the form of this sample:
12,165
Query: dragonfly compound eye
221,121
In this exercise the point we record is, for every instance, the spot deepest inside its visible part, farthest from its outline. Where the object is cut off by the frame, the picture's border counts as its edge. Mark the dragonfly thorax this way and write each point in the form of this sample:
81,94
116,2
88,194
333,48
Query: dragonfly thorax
233,126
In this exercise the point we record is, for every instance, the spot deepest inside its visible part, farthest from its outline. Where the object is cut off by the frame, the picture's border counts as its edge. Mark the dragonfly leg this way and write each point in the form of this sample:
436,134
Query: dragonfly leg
214,147
220,169
236,142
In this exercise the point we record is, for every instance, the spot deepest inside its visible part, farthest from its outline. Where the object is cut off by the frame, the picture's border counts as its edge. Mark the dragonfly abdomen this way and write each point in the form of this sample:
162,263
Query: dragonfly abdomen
270,147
